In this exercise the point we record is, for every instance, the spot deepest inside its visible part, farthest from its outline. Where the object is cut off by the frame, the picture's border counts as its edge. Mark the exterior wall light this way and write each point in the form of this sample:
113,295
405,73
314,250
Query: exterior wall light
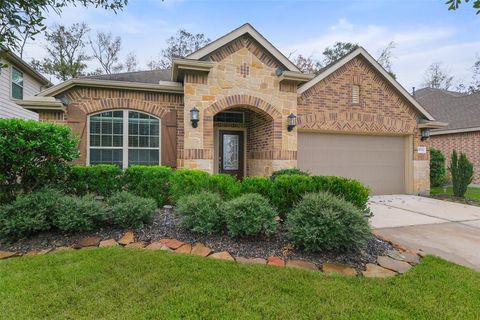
292,122
194,117
425,134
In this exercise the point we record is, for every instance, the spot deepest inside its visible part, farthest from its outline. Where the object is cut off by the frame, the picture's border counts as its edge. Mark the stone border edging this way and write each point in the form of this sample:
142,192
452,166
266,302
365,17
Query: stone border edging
395,262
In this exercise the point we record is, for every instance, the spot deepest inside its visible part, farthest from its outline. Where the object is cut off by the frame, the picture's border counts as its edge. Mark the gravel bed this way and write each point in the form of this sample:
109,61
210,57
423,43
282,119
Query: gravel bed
166,225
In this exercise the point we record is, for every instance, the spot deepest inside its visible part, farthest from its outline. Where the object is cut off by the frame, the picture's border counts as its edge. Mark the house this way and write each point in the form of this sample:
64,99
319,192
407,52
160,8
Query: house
239,106
18,82
462,112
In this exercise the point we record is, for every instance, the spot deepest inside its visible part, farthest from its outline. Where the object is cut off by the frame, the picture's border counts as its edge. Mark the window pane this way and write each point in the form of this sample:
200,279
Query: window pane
94,126
106,127
17,91
95,140
143,157
143,141
17,77
117,141
108,156
154,141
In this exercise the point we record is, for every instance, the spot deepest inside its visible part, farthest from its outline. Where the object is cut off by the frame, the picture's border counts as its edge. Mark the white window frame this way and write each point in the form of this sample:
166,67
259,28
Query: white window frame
125,146
12,83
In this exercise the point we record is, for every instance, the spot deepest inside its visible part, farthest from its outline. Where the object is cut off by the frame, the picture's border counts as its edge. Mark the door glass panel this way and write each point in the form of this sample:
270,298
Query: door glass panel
231,152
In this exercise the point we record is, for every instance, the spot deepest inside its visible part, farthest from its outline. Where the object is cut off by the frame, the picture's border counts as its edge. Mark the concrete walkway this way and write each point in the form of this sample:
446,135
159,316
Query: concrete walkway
446,229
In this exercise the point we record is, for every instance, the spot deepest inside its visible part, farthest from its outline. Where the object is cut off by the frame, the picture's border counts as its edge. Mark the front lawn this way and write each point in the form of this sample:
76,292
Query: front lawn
114,283
472,192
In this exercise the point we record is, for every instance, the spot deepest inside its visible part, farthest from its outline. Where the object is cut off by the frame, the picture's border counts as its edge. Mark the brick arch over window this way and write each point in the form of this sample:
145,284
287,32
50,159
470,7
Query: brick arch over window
245,101
94,106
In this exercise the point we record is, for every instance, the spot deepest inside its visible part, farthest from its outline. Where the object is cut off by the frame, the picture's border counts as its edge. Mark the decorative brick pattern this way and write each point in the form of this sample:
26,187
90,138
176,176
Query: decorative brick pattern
467,142
196,78
244,70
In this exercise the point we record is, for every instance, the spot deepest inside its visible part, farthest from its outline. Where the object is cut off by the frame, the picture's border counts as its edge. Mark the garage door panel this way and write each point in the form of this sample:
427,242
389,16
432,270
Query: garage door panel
376,161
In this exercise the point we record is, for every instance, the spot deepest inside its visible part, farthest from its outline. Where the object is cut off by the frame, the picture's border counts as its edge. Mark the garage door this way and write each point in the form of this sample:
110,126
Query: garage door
376,161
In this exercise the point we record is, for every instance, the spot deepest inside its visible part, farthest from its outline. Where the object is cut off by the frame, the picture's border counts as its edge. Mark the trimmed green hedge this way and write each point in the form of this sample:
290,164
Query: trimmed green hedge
101,179
184,182
148,182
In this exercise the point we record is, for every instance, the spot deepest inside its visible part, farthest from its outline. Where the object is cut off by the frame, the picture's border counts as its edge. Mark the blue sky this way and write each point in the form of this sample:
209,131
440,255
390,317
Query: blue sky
424,30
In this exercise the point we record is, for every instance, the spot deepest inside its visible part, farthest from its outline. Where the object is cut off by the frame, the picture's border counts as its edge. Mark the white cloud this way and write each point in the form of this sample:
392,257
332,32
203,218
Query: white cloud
416,47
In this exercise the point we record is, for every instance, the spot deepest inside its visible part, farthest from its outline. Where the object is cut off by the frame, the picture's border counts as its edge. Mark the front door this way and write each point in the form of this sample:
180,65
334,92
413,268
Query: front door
231,153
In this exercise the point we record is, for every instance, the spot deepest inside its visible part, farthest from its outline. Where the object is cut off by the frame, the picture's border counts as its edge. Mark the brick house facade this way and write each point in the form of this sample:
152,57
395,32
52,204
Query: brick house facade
245,93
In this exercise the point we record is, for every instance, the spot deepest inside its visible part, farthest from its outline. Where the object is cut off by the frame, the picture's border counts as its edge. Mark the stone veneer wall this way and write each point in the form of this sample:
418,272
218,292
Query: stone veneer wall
328,107
466,142
243,76
85,101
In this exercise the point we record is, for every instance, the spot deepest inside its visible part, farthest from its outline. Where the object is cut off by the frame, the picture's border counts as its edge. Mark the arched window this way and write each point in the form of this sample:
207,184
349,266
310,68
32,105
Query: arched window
123,137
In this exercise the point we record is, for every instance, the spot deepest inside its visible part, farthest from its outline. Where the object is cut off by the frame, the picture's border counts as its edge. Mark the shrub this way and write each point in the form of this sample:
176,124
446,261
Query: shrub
287,190
131,211
201,212
28,214
32,155
290,172
186,181
78,214
101,179
148,182
322,221
249,215
260,185
224,184
462,173
437,168
349,189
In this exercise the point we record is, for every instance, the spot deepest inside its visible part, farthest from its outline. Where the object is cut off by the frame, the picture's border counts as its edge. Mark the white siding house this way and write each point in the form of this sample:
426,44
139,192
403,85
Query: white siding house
17,82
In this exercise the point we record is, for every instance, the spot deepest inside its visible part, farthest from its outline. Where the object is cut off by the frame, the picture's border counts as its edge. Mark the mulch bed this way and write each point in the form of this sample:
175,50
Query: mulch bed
166,225
447,197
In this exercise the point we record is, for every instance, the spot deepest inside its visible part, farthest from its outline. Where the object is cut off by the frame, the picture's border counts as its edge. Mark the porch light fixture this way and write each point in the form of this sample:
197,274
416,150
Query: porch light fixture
292,122
194,117
425,134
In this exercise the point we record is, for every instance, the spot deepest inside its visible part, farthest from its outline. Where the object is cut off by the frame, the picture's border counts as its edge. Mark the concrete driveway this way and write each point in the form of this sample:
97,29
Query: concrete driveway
445,229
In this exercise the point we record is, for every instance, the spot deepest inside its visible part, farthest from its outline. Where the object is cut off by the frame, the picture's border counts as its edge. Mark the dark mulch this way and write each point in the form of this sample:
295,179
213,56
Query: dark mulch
447,197
166,225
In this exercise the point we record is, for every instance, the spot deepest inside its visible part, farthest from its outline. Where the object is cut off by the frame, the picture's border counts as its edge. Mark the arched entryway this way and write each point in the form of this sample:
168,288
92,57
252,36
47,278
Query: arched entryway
246,133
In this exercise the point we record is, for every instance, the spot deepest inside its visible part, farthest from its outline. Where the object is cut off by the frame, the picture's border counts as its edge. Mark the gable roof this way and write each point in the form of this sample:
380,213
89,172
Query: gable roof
148,76
460,110
325,72
23,65
240,31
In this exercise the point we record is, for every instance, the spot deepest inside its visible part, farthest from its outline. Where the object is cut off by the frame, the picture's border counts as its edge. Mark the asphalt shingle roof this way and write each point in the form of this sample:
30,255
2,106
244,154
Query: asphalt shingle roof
150,76
459,110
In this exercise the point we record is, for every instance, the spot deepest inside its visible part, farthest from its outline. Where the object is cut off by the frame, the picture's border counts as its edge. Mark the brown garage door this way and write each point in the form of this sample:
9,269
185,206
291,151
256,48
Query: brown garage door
377,161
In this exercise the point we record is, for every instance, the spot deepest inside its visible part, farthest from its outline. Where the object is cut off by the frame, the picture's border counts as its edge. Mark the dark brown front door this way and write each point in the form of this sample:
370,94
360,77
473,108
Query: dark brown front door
231,153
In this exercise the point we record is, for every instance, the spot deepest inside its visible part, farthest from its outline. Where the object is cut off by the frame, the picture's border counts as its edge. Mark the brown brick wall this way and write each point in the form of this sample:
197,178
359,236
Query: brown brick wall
328,105
467,142
85,101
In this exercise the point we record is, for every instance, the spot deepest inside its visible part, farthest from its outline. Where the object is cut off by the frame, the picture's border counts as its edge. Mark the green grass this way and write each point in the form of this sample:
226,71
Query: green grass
472,192
115,283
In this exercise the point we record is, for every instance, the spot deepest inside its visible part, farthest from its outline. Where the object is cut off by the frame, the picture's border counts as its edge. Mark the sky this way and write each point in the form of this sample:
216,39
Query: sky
424,31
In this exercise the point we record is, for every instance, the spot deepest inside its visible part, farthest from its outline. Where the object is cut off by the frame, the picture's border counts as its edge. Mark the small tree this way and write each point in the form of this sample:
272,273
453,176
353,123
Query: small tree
462,173
32,155
437,168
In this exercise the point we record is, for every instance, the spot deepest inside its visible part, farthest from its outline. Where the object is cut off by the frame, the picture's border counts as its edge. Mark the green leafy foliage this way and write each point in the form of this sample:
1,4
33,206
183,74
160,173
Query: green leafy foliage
100,179
249,215
224,184
148,182
260,185
351,190
289,172
322,221
461,170
437,168
32,155
287,190
185,182
454,4
78,214
131,211
28,214
201,212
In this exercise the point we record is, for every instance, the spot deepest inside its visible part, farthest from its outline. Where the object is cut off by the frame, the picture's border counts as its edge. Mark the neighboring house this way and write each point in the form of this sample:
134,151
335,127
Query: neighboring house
239,106
18,82
462,112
